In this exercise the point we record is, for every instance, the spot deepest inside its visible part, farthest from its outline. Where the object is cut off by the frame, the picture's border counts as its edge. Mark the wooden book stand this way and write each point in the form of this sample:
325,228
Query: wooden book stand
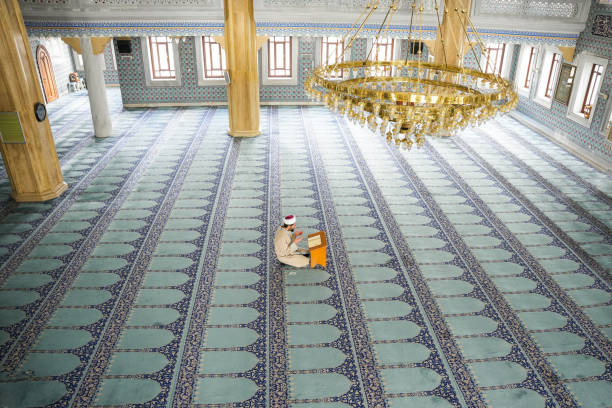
317,244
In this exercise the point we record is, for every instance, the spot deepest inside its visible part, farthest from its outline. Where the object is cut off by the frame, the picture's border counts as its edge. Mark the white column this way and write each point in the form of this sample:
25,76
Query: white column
96,89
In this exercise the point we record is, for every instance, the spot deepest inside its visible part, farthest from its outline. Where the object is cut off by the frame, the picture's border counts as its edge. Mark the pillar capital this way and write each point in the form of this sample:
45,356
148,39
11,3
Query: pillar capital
98,43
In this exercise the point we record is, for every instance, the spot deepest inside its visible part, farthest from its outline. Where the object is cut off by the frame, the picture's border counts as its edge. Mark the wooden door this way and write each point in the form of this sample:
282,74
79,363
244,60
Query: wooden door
46,73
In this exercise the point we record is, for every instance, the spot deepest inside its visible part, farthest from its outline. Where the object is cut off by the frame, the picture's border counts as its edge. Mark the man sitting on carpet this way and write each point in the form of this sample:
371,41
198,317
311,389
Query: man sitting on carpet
286,240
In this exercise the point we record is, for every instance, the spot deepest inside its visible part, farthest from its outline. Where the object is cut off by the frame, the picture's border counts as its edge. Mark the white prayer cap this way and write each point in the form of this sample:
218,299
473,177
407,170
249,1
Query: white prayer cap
289,220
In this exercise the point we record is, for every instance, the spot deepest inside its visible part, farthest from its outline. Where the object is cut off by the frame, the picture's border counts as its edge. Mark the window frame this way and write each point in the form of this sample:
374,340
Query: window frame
113,58
395,53
148,69
78,61
555,64
497,70
295,69
318,44
545,64
200,67
584,63
272,53
206,39
529,72
598,73
339,43
526,70
156,68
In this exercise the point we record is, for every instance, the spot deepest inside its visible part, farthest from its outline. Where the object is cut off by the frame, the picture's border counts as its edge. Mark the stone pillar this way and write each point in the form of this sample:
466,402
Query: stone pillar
96,89
451,33
241,53
32,167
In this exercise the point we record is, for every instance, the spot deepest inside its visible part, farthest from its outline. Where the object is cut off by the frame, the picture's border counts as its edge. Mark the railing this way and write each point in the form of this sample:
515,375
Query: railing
530,8
559,10
404,5
118,4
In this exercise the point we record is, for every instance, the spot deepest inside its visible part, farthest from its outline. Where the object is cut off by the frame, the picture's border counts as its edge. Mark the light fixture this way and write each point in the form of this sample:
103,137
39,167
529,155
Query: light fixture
407,100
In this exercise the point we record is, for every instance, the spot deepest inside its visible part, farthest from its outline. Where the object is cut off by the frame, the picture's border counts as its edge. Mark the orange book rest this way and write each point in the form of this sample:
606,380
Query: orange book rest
317,244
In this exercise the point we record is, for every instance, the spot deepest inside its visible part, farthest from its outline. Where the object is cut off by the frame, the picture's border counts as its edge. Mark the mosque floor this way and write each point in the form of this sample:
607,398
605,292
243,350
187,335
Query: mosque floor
472,272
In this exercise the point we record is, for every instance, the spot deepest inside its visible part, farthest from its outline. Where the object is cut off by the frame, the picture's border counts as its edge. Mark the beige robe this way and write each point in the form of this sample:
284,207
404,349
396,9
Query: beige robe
287,251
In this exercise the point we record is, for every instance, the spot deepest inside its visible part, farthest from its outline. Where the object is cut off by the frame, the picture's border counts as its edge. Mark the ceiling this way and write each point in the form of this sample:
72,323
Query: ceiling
564,16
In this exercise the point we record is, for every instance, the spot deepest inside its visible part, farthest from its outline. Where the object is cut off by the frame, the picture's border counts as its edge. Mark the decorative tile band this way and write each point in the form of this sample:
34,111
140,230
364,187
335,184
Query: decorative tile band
70,29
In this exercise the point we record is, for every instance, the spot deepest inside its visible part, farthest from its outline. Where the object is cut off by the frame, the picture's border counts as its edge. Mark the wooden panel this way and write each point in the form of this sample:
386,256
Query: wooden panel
452,33
33,167
241,53
318,252
47,76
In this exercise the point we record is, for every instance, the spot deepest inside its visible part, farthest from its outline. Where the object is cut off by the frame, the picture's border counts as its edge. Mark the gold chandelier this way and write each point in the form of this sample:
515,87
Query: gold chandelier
406,100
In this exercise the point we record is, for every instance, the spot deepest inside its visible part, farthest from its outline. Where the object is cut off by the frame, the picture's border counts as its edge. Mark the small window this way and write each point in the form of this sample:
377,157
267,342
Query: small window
589,76
593,85
279,57
162,58
608,127
112,56
494,60
383,49
331,52
78,61
530,65
554,65
214,59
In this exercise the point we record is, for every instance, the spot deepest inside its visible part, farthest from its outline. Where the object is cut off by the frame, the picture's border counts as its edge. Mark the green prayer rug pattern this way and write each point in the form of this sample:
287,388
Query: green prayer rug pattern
474,272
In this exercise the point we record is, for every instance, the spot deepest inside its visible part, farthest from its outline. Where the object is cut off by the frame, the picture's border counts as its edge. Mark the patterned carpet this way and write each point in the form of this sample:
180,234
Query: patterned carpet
473,272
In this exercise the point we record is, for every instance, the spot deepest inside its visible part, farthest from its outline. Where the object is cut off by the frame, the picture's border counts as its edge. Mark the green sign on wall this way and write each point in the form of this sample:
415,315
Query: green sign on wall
10,128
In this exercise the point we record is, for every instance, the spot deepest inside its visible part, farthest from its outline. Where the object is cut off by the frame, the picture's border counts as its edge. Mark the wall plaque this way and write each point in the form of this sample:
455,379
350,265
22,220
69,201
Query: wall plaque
602,25
10,128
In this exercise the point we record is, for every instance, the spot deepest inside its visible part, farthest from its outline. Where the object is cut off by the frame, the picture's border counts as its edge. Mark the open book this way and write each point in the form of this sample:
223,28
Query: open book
314,241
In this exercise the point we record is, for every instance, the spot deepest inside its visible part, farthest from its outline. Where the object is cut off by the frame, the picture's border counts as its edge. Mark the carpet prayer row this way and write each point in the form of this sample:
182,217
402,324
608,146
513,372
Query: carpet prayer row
472,272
